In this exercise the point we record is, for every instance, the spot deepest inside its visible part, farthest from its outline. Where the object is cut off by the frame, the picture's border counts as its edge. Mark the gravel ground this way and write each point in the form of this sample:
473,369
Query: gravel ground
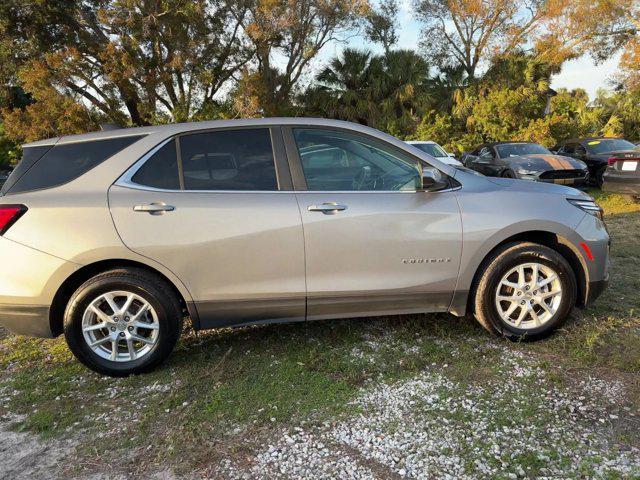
431,426
516,422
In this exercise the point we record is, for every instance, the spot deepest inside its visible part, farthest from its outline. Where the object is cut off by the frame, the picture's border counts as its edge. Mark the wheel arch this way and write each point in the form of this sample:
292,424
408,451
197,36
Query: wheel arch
77,278
463,302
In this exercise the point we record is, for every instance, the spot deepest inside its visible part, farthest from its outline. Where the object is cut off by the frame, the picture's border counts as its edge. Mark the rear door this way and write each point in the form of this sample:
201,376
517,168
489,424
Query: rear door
217,208
375,244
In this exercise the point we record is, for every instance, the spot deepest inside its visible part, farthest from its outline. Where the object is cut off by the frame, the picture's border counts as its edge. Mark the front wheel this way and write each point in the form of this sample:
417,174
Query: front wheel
122,322
527,290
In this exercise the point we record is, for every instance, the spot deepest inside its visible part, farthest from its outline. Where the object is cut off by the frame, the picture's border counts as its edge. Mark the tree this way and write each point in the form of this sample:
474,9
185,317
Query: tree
294,30
135,61
469,32
383,91
382,24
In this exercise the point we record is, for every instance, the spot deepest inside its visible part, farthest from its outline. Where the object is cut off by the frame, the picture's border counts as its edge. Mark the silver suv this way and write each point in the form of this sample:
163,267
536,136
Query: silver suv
113,238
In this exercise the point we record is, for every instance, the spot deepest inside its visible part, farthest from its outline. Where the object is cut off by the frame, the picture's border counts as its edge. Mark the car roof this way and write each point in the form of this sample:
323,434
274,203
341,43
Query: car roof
421,142
175,128
587,139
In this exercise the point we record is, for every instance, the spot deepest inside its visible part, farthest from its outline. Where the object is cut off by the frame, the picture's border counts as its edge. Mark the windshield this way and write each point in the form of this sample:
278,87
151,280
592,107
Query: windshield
431,148
515,149
607,145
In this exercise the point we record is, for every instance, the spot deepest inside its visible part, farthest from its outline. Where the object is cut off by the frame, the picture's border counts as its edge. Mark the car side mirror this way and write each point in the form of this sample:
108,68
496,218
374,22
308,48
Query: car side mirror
433,180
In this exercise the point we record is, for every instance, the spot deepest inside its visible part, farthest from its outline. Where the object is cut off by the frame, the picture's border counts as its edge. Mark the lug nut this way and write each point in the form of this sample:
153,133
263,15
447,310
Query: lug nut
519,293
113,329
130,329
122,334
126,319
522,302
527,287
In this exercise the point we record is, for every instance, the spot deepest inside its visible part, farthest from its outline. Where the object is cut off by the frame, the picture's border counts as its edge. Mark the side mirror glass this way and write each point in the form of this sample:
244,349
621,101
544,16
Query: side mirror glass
433,180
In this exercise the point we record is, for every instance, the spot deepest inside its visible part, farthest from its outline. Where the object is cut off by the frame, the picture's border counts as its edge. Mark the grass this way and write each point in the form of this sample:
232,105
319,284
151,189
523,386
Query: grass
223,391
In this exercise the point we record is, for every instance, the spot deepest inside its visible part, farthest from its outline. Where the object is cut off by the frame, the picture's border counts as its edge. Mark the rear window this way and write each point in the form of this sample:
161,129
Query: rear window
30,155
62,163
161,170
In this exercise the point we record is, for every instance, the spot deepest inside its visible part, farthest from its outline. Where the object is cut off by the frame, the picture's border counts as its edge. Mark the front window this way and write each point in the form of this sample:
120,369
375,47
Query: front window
339,161
515,149
432,149
607,145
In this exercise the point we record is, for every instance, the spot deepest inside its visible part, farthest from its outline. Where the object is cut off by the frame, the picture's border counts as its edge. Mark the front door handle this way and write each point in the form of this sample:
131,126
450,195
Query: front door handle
156,208
328,208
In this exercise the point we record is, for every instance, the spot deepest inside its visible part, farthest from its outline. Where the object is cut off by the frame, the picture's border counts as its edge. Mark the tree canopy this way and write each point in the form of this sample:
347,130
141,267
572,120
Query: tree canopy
482,72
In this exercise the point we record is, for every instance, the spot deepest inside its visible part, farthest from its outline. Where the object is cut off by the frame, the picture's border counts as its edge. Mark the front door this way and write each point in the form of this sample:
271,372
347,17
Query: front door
216,208
374,243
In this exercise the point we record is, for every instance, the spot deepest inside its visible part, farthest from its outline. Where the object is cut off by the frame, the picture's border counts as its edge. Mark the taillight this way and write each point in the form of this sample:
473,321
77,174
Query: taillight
9,214
612,161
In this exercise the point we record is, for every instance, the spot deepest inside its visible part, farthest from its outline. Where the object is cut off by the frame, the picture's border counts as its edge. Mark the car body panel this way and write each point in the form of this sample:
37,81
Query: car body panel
231,248
354,260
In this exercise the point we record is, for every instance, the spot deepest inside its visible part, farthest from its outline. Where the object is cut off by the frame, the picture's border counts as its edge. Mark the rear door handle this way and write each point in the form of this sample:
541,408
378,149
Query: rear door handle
328,208
156,208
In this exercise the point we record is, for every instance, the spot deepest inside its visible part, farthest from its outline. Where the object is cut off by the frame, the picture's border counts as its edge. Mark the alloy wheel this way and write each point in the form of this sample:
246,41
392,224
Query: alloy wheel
120,326
528,295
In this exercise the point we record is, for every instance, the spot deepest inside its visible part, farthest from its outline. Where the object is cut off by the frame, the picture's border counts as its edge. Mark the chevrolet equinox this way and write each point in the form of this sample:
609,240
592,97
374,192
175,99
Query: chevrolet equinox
113,238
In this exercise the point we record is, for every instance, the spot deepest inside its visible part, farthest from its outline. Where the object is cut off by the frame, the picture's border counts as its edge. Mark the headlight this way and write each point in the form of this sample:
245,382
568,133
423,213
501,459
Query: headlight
589,206
522,171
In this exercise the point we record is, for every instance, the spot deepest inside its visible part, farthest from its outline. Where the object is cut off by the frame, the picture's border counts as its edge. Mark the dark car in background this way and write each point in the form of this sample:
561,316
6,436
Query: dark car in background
596,153
525,160
622,174
4,174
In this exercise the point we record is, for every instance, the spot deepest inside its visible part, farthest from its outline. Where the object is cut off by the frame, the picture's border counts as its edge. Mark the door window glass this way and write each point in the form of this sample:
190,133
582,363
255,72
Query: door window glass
161,169
228,160
339,161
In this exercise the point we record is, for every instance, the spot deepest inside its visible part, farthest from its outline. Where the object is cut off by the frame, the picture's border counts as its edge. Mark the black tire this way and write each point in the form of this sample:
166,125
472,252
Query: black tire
509,174
499,264
152,289
599,180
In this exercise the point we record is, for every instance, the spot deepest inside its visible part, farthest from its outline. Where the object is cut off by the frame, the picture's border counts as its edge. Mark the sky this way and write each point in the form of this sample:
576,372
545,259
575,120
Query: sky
579,73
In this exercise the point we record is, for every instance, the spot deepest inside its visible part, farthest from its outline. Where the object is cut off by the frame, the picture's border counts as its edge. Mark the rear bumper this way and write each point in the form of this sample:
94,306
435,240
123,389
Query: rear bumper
32,320
621,182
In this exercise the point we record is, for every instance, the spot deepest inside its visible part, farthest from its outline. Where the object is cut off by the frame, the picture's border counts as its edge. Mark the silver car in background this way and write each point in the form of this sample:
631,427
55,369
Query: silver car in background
114,238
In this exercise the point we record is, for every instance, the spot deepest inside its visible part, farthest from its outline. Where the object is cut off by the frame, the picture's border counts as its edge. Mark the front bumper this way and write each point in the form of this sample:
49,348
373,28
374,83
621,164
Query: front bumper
32,320
595,290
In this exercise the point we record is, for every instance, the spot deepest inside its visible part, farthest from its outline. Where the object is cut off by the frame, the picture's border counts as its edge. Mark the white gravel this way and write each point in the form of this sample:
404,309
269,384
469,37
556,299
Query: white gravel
431,426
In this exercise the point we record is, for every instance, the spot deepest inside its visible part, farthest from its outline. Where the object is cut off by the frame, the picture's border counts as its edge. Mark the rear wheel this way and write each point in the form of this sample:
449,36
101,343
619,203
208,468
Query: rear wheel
526,291
508,174
122,322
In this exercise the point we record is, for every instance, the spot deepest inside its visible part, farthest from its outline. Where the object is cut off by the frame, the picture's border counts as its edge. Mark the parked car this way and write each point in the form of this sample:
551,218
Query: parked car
623,173
527,161
595,152
114,238
436,151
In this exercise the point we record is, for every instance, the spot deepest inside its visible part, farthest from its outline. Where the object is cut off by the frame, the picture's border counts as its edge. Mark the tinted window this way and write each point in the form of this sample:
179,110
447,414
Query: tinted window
64,163
431,148
487,152
515,149
30,155
161,169
228,160
334,160
607,145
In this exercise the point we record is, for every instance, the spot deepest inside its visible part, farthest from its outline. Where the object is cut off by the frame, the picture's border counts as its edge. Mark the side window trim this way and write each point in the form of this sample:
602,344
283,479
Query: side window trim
297,172
283,174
